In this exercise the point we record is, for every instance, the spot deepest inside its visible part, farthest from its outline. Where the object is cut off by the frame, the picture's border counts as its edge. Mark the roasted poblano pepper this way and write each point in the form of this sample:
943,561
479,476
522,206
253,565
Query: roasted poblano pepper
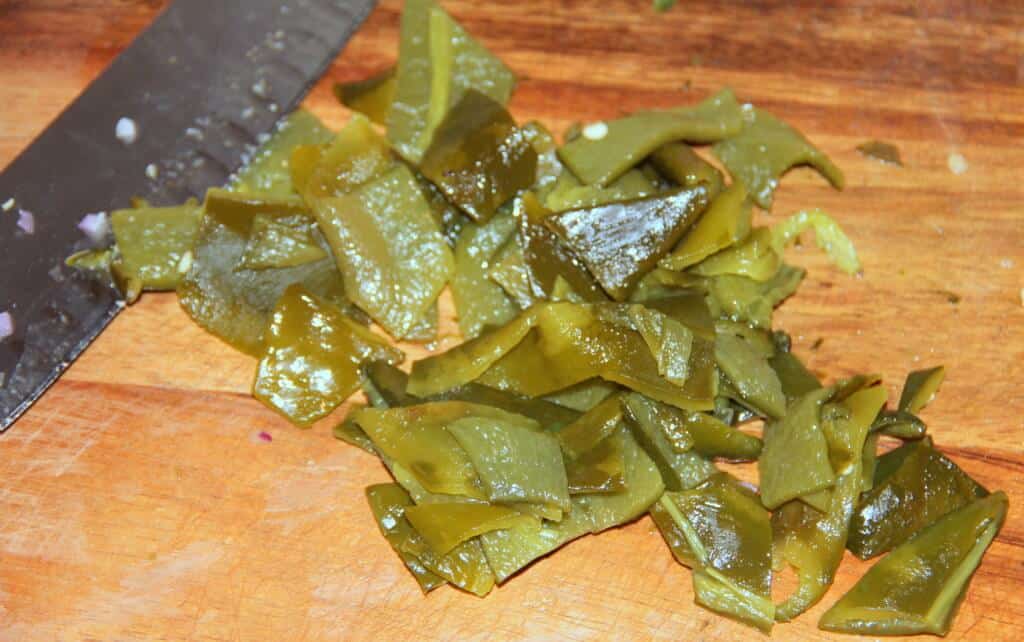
795,458
388,503
268,172
278,243
356,156
726,222
684,167
629,140
598,470
479,301
312,357
918,587
680,468
446,525
154,244
620,242
568,193
745,300
814,541
764,150
920,388
234,302
478,157
437,63
371,97
827,234
796,380
755,258
751,375
394,260
721,531
511,273
914,485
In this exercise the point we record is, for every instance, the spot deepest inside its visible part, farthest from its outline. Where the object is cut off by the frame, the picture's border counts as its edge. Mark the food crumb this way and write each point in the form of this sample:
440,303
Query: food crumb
882,152
1006,264
27,222
126,130
595,131
817,343
152,171
957,163
185,264
8,204
260,88
6,325
265,436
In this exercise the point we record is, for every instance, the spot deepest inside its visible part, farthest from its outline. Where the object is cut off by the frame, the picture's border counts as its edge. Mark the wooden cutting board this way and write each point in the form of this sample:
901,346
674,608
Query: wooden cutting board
138,503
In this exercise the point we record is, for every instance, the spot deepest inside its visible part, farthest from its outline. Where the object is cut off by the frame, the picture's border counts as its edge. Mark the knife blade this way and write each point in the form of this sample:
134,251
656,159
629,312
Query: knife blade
200,88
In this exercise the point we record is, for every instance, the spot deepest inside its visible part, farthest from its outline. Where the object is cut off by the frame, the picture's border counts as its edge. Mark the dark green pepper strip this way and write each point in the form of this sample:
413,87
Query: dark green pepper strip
312,358
268,172
755,258
914,485
437,63
446,525
721,531
794,460
814,541
371,97
795,378
647,419
920,388
549,168
748,301
668,340
568,193
764,150
388,503
479,301
643,487
620,242
598,470
684,167
154,244
725,223
510,272
627,141
276,243
591,428
899,423
450,219
749,372
478,157
349,432
827,234
918,587
234,303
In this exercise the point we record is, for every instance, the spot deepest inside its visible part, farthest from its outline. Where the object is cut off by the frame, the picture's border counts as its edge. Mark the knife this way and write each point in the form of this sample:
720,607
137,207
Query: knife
174,114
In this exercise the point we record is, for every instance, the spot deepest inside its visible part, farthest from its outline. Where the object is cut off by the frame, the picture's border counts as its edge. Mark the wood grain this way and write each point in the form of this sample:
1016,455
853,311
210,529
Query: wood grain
137,503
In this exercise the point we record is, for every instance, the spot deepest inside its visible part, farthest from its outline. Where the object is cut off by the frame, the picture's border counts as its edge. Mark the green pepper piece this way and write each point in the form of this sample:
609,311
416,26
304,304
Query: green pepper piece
814,541
795,378
568,193
725,224
355,157
914,485
388,503
349,432
546,257
620,242
592,428
748,301
511,273
549,415
598,470
312,357
478,157
479,301
668,340
648,421
689,307
794,460
465,566
721,531
881,151
371,97
437,63
918,587
920,388
154,243
393,259
899,423
516,461
445,526
450,219
827,234
277,243
268,172
764,150
583,396
753,377
511,549
235,303
549,168
385,386
754,258
629,140
643,483
715,438
684,167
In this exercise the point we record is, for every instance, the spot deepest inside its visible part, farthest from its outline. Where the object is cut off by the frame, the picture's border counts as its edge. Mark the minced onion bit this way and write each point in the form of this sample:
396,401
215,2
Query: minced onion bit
6,325
95,226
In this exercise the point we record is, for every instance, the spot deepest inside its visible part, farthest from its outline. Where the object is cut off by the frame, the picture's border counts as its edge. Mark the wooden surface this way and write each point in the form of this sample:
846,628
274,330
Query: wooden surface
137,503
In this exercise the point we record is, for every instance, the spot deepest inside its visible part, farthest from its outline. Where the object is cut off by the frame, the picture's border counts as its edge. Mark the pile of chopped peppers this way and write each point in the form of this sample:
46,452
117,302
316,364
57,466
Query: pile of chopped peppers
616,298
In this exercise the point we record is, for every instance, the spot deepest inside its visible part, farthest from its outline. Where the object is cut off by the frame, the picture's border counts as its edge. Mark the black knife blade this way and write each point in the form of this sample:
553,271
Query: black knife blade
201,86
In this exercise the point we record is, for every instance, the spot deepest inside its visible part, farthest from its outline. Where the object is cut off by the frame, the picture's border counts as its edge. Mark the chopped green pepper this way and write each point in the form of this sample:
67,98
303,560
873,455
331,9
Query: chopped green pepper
748,301
371,97
755,258
648,420
764,150
388,503
918,587
479,301
590,429
356,156
446,525
827,234
725,223
684,167
154,244
755,381
598,470
277,243
795,378
568,193
794,460
920,388
268,172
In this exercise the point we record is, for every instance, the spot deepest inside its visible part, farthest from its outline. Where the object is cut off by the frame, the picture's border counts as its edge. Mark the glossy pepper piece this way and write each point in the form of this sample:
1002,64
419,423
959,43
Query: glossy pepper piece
643,487
631,139
349,432
511,273
754,258
620,242
479,300
721,531
446,525
679,469
275,243
450,219
465,566
478,157
312,357
827,234
920,388
591,428
234,302
899,423
569,193
154,244
515,460
764,150
598,470
388,503
814,541
748,301
794,377
393,259
437,63
918,587
914,485
371,97
725,223
356,156
268,172
751,375
795,459
684,167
